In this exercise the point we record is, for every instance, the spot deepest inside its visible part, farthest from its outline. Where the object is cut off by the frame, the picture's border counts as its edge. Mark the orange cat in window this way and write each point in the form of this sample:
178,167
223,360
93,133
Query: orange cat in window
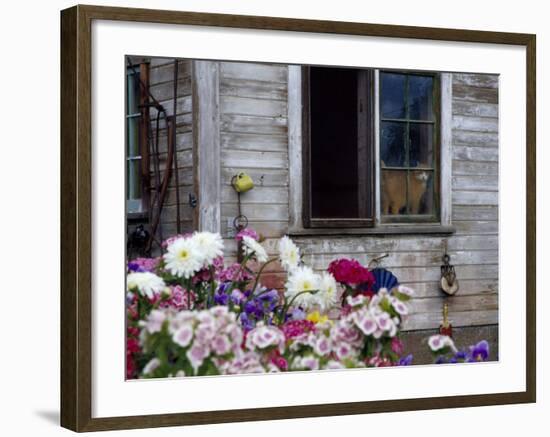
394,191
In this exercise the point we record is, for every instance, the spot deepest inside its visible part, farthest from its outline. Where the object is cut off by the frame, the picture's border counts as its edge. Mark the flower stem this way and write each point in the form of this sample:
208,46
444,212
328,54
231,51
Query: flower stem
287,306
242,267
258,278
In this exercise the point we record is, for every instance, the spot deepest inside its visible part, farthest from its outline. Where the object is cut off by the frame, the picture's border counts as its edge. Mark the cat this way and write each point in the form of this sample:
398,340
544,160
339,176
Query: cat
394,192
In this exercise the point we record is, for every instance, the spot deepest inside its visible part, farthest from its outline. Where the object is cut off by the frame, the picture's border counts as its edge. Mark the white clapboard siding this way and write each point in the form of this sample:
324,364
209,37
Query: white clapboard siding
256,89
268,177
262,72
475,182
253,110
478,139
474,168
432,320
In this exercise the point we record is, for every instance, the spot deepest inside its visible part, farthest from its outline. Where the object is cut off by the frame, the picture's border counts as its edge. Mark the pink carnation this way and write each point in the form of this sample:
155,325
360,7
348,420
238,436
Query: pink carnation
350,272
294,328
179,298
143,264
234,273
397,346
204,275
170,240
247,232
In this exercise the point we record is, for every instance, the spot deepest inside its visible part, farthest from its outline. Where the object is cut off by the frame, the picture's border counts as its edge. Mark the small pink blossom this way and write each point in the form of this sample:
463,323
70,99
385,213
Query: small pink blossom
196,355
247,232
183,335
221,345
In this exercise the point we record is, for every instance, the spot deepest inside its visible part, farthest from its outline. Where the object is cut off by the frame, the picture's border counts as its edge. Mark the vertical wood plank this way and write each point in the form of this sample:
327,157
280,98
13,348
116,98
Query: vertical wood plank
295,146
376,147
446,149
363,144
206,143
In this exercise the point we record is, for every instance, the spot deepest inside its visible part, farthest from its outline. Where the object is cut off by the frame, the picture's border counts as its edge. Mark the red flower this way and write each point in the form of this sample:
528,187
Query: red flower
351,272
294,328
278,360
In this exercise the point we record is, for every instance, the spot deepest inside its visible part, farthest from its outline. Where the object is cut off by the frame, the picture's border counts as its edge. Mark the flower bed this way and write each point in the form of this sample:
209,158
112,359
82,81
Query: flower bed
189,314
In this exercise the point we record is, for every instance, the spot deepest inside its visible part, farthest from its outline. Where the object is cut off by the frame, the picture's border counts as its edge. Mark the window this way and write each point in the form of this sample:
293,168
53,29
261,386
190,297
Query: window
134,188
348,120
408,152
339,176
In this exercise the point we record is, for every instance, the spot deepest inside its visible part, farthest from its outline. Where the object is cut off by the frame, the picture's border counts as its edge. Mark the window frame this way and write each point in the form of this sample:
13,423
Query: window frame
366,180
436,141
297,178
141,71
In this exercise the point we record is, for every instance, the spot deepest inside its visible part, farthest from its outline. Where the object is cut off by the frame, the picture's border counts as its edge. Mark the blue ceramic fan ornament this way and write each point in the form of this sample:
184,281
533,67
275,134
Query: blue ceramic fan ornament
383,279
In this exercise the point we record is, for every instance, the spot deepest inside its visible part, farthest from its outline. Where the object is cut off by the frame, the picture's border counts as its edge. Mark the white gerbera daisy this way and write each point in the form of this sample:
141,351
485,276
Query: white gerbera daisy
252,247
183,257
302,283
210,245
289,254
147,283
328,292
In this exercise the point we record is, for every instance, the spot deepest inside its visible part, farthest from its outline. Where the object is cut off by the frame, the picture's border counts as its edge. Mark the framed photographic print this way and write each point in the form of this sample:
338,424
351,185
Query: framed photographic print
338,217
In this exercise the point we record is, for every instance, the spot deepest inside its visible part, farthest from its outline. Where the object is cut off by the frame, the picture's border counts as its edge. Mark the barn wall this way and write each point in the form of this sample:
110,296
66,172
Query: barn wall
254,139
162,88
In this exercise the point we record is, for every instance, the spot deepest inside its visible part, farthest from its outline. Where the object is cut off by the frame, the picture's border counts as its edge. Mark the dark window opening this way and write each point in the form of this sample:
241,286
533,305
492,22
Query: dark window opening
339,141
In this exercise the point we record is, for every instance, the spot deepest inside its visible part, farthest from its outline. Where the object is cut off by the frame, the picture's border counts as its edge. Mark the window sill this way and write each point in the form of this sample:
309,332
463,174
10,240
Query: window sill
382,230
137,216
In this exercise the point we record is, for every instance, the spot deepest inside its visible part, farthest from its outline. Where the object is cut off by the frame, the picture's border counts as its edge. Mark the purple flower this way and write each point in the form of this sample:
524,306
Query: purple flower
134,267
480,352
246,322
461,356
237,297
221,298
250,307
405,361
297,314
143,265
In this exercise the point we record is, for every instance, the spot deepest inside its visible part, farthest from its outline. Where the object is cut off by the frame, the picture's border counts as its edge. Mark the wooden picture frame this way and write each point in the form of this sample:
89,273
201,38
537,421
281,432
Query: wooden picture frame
76,217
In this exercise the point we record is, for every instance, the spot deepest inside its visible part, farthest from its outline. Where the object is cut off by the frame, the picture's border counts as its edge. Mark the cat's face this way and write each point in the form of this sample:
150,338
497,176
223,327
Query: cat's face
422,176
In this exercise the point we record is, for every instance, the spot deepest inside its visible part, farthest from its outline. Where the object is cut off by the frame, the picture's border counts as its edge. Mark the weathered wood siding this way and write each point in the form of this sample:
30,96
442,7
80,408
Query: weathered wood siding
253,125
254,138
162,88
253,107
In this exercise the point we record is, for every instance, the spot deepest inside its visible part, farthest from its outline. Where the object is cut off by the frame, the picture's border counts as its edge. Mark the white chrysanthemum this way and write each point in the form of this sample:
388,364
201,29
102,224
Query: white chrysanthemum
252,247
147,283
183,257
300,281
289,254
328,292
210,245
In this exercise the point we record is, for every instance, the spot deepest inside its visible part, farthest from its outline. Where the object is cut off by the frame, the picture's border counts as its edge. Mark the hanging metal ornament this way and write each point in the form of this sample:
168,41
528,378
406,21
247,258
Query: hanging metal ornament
449,283
241,183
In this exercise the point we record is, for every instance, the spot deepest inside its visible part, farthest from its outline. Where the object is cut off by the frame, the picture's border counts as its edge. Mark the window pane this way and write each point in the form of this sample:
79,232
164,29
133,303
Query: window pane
133,137
392,95
394,192
133,93
421,197
420,101
421,145
392,144
133,179
334,173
